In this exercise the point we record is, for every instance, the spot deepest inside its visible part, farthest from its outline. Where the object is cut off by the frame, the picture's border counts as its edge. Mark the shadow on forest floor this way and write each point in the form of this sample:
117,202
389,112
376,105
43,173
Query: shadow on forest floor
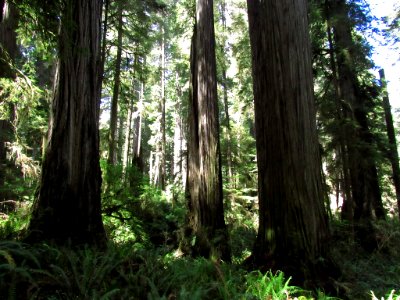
365,272
145,263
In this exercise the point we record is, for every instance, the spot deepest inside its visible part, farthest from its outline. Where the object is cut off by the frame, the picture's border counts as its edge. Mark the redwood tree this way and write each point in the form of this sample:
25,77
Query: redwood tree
204,157
293,225
112,140
67,208
366,193
8,51
391,134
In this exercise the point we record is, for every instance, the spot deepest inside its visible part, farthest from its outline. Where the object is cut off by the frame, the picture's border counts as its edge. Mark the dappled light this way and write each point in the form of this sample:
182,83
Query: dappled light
197,149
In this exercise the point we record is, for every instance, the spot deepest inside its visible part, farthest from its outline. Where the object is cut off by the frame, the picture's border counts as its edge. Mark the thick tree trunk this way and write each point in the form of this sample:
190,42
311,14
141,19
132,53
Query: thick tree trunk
393,154
293,228
68,206
5,130
8,39
112,151
204,157
8,51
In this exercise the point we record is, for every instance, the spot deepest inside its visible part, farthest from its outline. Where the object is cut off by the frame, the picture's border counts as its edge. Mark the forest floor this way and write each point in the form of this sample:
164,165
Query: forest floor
366,272
143,262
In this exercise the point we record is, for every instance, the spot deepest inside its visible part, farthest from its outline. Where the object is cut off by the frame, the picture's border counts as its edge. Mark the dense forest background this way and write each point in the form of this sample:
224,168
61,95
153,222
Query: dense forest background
196,149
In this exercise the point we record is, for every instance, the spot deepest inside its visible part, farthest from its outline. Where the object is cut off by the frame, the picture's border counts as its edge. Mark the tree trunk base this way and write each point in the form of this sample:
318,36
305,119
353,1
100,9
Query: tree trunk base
201,245
310,275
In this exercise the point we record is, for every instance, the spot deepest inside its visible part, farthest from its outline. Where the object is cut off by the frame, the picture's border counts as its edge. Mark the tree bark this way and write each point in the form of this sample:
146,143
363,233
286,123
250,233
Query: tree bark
393,154
224,85
137,159
128,130
106,4
68,206
347,206
163,142
228,129
158,173
112,151
105,9
204,157
8,38
122,116
293,225
178,170
128,137
8,51
366,192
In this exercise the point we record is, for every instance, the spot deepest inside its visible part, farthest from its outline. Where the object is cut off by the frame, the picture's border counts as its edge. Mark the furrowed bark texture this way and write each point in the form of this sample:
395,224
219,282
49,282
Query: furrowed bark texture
204,172
293,224
8,38
68,209
8,51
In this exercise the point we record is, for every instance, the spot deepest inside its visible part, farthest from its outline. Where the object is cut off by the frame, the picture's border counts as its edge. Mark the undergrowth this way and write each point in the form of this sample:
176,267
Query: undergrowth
143,259
48,272
369,275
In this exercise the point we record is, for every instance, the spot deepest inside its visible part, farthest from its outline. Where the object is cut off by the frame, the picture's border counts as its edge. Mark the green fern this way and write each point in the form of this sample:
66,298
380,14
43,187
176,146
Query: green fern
269,285
391,296
8,258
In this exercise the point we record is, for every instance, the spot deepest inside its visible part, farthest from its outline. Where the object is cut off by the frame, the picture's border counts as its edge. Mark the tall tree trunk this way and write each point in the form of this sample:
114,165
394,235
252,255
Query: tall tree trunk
162,111
121,131
347,206
68,206
106,6
293,225
8,51
224,84
364,180
158,173
366,192
137,159
228,128
112,151
393,154
177,166
2,2
128,131
204,157
178,170
128,137
8,39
